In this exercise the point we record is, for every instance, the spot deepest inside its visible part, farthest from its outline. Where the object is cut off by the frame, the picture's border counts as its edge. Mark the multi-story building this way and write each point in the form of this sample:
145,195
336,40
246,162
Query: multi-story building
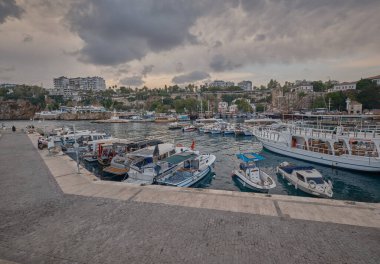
375,79
343,87
245,85
220,83
303,86
71,88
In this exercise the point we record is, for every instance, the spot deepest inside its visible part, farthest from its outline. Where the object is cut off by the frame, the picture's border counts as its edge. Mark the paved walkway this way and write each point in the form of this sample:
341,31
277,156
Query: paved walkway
44,220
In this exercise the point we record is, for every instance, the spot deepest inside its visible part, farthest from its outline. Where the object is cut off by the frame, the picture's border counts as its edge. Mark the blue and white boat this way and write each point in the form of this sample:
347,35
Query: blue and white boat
192,168
250,176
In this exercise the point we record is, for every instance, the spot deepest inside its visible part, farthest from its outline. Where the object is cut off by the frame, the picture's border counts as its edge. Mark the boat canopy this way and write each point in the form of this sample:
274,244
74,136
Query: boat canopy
249,157
290,169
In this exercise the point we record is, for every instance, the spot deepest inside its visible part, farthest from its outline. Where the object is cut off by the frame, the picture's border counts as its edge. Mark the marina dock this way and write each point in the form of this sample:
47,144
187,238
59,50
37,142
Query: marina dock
50,213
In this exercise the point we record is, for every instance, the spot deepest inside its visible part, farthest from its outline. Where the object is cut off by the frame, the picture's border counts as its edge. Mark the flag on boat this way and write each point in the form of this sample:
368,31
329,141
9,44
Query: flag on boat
193,145
156,151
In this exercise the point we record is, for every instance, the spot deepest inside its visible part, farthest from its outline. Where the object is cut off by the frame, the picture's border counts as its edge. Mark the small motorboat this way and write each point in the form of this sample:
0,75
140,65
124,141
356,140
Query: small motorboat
217,129
250,176
306,178
229,130
175,125
190,128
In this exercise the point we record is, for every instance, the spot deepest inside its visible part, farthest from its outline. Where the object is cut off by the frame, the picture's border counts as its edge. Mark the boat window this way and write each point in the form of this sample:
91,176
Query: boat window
317,180
300,177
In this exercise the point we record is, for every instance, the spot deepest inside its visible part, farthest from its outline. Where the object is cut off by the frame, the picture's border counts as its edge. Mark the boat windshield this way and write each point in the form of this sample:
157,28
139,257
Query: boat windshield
318,180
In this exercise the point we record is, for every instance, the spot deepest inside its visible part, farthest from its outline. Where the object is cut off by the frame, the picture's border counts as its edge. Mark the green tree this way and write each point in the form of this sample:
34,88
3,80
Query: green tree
318,86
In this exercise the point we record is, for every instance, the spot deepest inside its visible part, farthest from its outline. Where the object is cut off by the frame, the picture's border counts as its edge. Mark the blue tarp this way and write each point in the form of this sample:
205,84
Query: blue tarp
248,157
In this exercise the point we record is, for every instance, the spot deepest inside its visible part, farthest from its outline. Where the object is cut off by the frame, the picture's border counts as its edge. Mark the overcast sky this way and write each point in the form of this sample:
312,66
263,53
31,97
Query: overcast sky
151,42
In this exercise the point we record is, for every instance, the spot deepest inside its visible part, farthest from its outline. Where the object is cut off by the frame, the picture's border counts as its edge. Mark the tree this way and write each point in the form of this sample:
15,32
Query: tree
260,108
244,106
318,86
272,84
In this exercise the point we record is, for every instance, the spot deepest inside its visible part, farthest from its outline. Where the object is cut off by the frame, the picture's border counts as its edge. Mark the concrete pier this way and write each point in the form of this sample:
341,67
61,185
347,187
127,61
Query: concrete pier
51,214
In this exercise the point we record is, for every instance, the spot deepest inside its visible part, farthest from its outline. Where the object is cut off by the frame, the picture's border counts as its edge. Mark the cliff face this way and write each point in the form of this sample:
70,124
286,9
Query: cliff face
17,110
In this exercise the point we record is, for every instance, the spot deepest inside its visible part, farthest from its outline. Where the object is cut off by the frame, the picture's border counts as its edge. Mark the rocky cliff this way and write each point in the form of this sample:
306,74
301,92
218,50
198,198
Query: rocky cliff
17,110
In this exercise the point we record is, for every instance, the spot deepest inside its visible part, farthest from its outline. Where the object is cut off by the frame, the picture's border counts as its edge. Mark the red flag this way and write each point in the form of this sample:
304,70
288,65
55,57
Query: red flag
193,145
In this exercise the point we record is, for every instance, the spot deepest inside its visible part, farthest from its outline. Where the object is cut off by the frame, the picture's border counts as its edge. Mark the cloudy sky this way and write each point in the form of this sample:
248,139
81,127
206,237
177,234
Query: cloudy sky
153,43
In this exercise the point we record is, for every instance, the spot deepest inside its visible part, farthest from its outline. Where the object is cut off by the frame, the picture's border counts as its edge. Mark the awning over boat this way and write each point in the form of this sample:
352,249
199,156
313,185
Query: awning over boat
249,157
180,157
290,169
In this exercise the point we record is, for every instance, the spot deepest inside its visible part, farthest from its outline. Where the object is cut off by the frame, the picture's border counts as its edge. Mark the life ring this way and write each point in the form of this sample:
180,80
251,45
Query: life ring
312,184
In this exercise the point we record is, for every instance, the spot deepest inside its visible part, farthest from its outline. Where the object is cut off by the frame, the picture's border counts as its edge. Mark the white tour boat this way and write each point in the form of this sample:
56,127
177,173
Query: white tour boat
338,148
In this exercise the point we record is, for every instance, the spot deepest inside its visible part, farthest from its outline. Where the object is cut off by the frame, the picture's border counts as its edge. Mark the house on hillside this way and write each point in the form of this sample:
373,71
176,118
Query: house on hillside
345,86
375,79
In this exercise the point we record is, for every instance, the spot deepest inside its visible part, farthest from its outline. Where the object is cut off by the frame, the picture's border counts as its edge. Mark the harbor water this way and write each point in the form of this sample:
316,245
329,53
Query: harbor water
347,185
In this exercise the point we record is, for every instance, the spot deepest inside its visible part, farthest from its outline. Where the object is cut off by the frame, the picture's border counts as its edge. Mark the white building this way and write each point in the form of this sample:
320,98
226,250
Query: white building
375,79
343,87
222,107
220,83
302,86
245,85
353,107
233,109
70,88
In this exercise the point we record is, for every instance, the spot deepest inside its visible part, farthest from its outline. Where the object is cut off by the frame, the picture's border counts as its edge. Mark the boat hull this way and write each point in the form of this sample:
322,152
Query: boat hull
246,184
342,161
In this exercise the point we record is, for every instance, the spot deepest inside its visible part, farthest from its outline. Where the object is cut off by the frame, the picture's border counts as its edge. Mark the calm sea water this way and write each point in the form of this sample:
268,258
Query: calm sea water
347,185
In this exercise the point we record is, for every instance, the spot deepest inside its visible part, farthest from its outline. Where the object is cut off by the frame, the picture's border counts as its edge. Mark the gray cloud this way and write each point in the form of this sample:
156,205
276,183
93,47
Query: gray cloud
190,77
27,38
179,67
116,31
132,81
4,69
147,69
9,8
220,63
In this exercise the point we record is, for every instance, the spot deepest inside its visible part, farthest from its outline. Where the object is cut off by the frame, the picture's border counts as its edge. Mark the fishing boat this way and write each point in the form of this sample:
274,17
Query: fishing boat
251,176
106,152
341,148
145,166
191,168
229,130
306,178
134,162
164,119
216,129
239,130
207,121
175,125
189,128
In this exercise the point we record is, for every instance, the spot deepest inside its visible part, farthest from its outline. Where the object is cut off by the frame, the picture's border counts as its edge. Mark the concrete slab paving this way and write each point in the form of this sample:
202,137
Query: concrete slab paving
40,223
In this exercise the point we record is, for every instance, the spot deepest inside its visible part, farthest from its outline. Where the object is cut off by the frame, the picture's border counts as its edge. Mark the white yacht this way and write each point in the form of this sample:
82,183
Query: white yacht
306,178
339,148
